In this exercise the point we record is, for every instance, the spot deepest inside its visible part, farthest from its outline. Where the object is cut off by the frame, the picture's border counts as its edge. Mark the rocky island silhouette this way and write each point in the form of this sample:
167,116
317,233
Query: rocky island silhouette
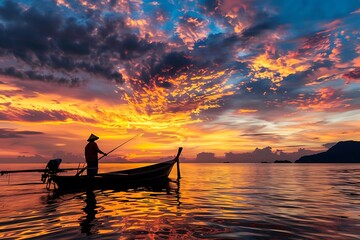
342,152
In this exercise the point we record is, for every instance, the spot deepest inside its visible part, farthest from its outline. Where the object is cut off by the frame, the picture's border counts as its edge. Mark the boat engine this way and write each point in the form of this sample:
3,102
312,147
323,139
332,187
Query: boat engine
52,168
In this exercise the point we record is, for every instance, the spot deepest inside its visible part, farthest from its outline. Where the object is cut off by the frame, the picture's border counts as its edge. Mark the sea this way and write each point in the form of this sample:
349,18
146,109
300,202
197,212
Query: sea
210,201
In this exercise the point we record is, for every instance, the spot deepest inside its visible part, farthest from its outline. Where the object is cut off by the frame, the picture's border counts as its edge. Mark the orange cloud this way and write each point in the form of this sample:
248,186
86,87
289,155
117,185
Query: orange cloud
269,66
63,2
192,29
245,110
323,99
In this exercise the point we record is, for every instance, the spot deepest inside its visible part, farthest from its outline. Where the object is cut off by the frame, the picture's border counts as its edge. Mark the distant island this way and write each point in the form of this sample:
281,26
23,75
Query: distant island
282,161
342,152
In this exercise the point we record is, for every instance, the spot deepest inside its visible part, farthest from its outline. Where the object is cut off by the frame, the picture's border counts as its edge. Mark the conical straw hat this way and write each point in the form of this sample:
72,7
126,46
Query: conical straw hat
93,138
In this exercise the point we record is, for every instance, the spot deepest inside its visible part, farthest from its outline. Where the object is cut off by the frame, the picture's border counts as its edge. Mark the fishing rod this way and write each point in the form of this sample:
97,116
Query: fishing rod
120,146
83,169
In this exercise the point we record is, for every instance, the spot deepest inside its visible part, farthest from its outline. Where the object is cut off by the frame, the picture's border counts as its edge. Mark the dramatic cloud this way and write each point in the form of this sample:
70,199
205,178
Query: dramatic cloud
266,154
11,133
208,75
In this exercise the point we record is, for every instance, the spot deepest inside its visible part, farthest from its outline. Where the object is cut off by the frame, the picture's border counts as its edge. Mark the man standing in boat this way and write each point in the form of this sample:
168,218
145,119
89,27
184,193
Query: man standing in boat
91,155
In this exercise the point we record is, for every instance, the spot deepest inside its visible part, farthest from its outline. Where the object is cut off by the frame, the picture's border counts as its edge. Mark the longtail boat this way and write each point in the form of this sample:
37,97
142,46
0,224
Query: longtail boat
118,179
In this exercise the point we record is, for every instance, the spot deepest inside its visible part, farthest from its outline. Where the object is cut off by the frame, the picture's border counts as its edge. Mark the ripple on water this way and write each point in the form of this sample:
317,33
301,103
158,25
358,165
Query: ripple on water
244,201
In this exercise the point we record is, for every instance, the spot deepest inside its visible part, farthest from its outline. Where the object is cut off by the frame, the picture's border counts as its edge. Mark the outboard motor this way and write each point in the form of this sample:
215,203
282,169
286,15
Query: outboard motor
51,169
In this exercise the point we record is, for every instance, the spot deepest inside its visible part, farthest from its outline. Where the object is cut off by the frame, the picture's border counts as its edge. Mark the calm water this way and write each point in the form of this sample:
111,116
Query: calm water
219,201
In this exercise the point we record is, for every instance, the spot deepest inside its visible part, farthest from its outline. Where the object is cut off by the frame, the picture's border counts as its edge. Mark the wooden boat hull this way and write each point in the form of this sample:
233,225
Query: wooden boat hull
119,179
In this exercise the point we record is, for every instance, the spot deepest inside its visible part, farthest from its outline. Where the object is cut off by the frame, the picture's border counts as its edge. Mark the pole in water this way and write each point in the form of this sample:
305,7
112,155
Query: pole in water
178,162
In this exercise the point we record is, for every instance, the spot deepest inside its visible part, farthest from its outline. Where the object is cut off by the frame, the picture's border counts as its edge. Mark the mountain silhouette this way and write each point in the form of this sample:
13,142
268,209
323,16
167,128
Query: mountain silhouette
342,152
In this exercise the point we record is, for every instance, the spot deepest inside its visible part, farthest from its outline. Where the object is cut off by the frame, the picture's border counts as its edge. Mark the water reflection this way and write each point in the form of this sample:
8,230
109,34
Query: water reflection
87,222
232,201
347,182
91,225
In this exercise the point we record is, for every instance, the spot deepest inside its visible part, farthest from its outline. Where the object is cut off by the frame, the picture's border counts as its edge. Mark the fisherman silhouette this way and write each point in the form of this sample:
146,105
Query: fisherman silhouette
91,155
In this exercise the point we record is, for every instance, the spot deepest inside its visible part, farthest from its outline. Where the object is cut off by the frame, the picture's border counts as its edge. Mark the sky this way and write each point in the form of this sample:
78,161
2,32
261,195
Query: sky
210,76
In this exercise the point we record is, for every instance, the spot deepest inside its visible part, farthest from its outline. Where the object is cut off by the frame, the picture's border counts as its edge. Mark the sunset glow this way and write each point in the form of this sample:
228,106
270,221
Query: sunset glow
209,76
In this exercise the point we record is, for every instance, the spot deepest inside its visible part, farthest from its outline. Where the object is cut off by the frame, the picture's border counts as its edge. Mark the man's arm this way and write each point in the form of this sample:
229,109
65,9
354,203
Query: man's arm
102,152
99,151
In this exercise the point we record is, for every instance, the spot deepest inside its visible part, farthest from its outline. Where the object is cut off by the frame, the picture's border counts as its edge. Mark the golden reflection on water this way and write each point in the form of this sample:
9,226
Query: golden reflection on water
229,201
